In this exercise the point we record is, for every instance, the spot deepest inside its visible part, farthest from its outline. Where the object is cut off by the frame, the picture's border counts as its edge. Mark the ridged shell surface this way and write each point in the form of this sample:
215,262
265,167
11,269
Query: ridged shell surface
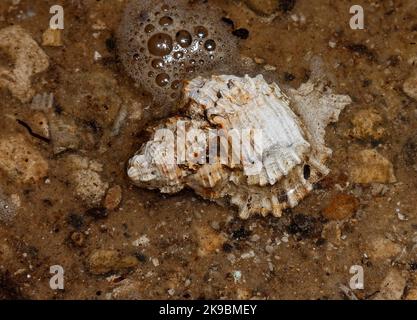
242,141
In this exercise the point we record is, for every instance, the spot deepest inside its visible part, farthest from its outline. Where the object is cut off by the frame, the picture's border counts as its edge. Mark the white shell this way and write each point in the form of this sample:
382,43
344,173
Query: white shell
293,150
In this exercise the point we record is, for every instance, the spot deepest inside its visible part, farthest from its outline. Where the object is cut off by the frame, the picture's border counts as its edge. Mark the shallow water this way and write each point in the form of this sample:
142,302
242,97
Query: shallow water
199,245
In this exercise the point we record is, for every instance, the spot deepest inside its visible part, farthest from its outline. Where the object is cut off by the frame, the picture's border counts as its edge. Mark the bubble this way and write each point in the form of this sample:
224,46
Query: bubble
172,44
176,84
162,79
201,32
183,38
166,21
190,69
149,28
160,44
210,45
158,64
178,55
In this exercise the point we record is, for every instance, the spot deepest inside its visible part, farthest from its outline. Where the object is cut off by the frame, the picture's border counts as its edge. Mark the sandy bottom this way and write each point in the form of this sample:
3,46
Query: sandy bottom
183,247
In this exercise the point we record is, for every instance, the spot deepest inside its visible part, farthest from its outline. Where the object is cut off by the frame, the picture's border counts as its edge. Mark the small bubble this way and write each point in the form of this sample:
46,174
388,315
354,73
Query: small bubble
176,84
201,32
190,69
149,28
166,21
150,74
160,44
162,79
210,45
178,55
165,8
184,39
158,64
136,57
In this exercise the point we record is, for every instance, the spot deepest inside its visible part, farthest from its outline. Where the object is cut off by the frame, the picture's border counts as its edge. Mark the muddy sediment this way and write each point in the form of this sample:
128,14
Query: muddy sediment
65,198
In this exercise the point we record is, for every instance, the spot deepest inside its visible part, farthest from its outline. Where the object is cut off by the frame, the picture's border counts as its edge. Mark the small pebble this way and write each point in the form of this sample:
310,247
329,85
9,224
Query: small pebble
155,262
52,38
113,197
341,206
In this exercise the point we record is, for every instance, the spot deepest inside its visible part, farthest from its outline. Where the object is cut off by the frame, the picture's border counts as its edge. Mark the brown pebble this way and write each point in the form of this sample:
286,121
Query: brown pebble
52,38
342,206
367,124
368,166
105,261
113,197
410,86
77,238
411,294
209,241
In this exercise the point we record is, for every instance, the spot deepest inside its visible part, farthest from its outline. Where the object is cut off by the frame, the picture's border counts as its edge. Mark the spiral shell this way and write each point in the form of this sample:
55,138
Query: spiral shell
243,141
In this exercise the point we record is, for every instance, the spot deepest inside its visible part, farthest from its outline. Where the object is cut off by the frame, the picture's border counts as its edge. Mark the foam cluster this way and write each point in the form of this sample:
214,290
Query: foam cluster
163,43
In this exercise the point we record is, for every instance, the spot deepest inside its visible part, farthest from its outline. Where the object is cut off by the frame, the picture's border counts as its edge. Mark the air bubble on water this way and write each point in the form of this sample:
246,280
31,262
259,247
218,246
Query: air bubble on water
149,28
162,79
160,44
183,38
210,45
201,32
166,21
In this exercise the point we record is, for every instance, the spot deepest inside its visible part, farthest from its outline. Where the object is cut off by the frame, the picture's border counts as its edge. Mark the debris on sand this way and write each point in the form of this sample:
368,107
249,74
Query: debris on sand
7,210
87,181
367,124
368,166
410,85
392,287
127,290
20,160
52,38
341,206
383,249
105,261
27,59
113,198
209,241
